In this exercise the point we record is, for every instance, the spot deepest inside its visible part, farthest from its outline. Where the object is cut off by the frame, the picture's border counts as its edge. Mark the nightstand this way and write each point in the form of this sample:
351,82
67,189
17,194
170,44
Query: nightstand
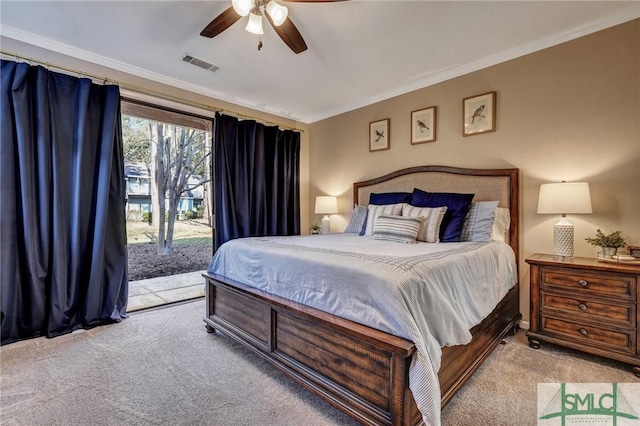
585,304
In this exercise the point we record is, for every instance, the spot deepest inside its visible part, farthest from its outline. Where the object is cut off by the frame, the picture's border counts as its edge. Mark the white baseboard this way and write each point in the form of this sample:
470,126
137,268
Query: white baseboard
524,325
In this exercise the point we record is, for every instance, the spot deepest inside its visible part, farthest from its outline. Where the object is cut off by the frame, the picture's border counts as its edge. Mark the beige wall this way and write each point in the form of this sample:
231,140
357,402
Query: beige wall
205,105
570,112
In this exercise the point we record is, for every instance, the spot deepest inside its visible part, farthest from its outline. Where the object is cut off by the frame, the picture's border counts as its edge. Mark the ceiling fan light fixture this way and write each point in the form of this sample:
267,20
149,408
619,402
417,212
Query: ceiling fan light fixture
255,24
242,7
277,12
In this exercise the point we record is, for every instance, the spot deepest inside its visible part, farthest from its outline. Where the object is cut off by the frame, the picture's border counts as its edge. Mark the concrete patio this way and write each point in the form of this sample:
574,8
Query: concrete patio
161,290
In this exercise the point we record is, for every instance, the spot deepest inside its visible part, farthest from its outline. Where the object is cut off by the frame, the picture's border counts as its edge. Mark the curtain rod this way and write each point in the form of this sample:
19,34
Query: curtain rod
144,91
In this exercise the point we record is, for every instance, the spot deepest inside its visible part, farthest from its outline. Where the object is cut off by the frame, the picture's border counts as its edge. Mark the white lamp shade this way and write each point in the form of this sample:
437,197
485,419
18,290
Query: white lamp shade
564,197
277,12
242,7
255,24
326,205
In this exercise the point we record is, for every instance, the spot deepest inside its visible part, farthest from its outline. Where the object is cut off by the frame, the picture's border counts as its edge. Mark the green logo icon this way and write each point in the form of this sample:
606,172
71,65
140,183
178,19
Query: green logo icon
587,404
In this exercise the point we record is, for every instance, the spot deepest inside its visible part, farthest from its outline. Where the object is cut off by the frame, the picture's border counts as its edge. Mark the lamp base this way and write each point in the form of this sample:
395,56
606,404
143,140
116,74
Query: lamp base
563,238
326,225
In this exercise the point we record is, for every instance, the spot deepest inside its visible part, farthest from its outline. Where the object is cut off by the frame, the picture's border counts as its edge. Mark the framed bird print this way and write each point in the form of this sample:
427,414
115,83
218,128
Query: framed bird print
423,125
479,114
379,137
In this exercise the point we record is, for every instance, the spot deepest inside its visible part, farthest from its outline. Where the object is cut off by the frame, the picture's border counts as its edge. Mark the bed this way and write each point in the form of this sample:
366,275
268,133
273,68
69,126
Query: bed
359,369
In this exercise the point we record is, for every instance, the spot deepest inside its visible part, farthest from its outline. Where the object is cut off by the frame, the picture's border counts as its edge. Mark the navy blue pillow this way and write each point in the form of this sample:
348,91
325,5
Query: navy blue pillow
457,208
389,198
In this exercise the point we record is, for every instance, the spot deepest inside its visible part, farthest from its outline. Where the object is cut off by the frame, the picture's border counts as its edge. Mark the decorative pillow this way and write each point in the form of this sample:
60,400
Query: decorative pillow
457,209
478,226
501,224
397,228
430,229
357,221
375,211
389,198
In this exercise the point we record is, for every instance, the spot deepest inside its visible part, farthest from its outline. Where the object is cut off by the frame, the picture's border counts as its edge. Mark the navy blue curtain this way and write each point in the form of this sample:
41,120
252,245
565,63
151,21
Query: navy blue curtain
256,179
63,261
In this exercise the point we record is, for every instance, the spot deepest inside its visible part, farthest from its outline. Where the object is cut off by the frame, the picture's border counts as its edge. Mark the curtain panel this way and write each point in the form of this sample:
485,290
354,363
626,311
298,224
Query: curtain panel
63,262
256,179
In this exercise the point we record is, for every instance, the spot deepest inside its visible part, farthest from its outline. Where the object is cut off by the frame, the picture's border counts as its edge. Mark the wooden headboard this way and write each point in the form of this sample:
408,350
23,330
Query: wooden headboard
487,184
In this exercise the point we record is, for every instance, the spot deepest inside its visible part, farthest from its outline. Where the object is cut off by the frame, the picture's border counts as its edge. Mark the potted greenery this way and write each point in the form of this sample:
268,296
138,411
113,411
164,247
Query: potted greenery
315,228
610,243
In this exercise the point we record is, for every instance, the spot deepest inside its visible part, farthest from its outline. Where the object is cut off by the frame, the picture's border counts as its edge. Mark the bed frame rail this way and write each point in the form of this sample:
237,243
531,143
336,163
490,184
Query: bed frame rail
362,371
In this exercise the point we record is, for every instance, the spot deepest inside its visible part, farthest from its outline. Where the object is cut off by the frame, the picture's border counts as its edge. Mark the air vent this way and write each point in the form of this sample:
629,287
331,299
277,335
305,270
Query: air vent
200,63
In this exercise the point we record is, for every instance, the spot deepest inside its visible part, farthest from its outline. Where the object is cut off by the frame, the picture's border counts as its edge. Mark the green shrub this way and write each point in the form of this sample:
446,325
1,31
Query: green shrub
614,239
146,217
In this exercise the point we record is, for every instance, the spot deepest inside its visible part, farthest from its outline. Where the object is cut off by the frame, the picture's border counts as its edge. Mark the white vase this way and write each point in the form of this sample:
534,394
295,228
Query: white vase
609,252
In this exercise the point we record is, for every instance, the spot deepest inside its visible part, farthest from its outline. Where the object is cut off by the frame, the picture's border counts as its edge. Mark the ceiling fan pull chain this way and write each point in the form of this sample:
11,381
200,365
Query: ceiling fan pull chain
259,45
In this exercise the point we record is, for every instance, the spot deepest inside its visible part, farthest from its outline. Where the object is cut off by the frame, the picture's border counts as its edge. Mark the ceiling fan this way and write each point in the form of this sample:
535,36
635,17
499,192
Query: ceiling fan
277,15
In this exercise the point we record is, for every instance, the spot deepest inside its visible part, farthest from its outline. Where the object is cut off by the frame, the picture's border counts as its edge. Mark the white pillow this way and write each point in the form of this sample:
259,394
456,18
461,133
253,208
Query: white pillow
397,228
478,225
430,229
501,224
375,211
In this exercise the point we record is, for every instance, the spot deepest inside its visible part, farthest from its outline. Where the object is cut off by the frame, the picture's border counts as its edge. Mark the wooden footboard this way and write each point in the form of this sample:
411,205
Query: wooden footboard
362,371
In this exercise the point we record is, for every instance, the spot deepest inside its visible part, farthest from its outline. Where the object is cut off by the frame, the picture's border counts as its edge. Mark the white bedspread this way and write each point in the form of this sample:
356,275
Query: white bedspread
431,294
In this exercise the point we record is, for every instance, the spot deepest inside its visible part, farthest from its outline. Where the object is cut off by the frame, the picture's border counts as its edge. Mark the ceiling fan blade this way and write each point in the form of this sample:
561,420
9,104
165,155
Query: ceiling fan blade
221,23
289,34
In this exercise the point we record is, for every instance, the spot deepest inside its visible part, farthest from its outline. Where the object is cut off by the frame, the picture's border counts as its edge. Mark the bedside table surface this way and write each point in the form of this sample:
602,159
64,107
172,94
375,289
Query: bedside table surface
590,263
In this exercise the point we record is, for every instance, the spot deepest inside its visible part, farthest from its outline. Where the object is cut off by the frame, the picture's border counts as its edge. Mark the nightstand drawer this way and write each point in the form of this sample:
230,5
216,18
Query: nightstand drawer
619,286
590,310
619,340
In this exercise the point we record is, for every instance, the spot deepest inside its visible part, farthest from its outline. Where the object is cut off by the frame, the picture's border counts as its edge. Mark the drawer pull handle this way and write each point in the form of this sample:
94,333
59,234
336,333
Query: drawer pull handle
583,283
583,331
582,307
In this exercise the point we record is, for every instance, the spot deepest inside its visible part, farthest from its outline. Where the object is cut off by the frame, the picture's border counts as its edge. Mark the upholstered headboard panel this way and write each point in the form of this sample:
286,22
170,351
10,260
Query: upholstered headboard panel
487,184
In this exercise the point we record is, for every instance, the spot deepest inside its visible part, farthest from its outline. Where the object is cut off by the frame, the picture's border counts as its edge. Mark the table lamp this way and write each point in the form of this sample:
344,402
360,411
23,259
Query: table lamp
326,205
564,198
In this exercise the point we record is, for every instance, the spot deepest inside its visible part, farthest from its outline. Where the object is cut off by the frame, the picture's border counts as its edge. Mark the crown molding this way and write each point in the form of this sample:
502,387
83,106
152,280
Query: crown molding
607,21
420,82
85,55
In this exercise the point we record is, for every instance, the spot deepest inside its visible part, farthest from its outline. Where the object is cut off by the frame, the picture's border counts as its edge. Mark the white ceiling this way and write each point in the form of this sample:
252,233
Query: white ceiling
360,52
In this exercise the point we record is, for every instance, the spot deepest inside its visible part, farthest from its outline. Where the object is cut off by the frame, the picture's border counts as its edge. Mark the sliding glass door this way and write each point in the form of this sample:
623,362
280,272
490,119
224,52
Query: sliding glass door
169,211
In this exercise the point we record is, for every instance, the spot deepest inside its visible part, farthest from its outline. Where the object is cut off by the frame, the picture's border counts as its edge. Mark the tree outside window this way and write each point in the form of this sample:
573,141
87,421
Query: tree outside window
173,150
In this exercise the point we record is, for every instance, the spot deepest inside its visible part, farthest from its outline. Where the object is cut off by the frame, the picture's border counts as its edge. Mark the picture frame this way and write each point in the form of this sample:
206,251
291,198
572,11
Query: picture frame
379,135
424,124
479,114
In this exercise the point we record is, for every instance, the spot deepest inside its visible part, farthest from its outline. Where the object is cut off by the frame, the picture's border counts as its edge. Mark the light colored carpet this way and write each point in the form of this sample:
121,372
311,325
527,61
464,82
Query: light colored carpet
504,389
162,368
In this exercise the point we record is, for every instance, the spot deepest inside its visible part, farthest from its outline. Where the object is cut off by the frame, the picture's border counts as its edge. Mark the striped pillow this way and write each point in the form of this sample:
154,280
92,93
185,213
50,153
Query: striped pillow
430,229
357,221
478,225
397,228
376,210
